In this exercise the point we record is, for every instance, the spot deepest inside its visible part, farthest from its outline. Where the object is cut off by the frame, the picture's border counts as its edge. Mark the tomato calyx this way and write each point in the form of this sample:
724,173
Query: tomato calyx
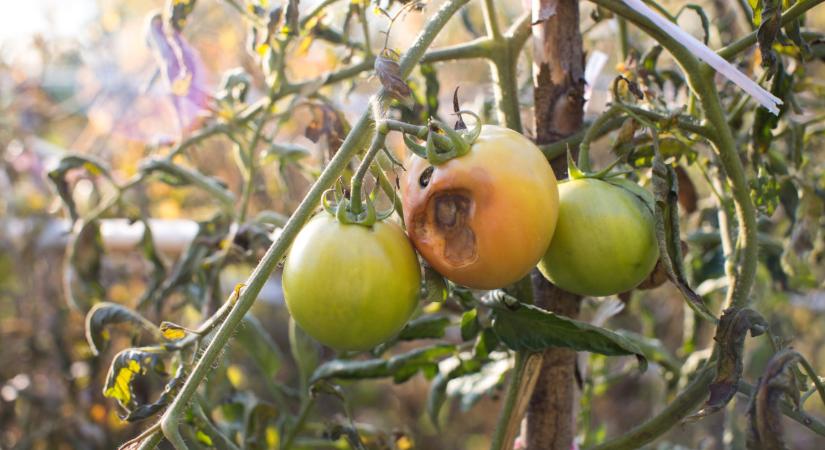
442,142
613,177
342,210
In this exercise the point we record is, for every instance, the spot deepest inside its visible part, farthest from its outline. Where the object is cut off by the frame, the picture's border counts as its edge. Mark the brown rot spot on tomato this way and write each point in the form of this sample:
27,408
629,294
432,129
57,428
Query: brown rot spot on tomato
425,177
448,220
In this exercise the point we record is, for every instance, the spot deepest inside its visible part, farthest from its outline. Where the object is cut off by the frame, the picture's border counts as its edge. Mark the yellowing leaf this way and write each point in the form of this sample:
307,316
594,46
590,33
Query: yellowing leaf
262,49
273,439
171,331
121,390
92,168
433,307
403,443
236,376
203,438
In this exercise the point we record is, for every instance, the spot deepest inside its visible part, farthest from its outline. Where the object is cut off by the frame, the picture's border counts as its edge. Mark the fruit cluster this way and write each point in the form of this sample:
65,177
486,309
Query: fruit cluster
483,220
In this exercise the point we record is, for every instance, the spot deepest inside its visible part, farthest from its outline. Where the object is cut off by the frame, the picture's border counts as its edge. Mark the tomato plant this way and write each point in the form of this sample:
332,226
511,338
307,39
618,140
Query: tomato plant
351,286
722,122
605,240
483,219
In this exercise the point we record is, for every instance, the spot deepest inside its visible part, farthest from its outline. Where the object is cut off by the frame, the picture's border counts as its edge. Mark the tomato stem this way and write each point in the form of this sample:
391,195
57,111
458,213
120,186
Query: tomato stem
169,420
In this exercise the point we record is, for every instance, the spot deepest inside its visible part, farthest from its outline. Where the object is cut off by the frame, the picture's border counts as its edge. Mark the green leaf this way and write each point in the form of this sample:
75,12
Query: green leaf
406,365
485,344
82,269
450,369
529,328
104,314
730,335
472,386
284,153
429,326
305,353
435,286
150,253
257,342
469,324
401,367
654,350
58,177
432,88
177,175
764,192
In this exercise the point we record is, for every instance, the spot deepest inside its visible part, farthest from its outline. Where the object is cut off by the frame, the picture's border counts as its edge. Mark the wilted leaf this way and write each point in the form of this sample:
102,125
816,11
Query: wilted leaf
190,264
259,419
688,198
389,73
234,86
666,194
125,367
401,367
104,314
179,11
730,335
771,18
291,17
764,121
68,163
327,124
172,331
82,269
182,70
169,392
765,431
529,328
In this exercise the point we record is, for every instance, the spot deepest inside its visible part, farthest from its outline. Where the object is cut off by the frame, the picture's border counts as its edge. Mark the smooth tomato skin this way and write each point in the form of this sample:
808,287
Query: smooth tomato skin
486,218
351,287
605,241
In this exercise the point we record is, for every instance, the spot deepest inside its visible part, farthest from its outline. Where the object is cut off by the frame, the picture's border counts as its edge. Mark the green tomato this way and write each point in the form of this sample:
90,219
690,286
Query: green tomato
605,240
351,287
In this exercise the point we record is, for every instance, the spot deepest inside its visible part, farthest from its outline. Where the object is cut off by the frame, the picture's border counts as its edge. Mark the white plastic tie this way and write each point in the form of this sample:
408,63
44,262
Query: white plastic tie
765,98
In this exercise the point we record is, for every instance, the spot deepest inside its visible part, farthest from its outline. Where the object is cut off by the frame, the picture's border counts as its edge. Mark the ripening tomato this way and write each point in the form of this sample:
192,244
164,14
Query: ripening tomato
605,241
350,286
483,219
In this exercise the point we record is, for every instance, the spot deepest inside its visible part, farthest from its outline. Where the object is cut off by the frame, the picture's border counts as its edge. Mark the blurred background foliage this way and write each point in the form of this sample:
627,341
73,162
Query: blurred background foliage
79,77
